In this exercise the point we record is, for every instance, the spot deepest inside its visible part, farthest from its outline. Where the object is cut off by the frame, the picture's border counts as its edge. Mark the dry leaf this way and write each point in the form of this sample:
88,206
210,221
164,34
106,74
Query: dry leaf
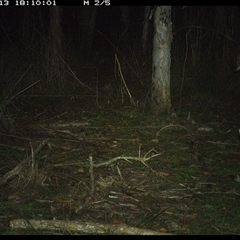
16,196
80,170
165,174
155,140
118,221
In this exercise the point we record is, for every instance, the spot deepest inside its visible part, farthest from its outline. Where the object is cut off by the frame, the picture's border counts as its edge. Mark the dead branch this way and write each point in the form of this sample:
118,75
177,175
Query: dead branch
18,168
89,198
69,124
223,143
171,126
141,159
82,227
123,80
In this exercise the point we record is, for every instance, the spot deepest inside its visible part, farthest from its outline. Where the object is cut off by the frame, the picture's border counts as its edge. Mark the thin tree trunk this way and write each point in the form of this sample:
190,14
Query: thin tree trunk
146,24
56,65
89,22
161,101
125,19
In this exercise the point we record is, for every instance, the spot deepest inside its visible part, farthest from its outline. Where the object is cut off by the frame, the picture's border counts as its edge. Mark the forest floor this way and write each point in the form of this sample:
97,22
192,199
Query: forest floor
76,166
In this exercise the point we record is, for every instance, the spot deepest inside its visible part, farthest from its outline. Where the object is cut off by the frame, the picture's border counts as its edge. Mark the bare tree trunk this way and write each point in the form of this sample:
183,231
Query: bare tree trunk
55,71
89,22
161,101
125,19
26,22
146,23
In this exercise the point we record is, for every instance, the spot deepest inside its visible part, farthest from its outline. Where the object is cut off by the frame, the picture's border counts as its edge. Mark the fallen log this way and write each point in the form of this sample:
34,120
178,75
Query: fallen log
81,227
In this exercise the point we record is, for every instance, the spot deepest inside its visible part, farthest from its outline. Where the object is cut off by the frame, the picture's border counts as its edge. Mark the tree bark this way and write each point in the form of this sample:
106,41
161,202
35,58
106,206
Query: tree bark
161,101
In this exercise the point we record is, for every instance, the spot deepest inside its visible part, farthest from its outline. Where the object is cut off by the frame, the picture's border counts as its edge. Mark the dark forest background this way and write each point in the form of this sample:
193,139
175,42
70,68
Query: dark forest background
204,50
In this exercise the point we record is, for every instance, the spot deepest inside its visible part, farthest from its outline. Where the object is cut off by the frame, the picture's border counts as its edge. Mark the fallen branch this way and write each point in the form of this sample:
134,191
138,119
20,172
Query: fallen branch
223,143
171,126
83,227
18,168
141,159
89,198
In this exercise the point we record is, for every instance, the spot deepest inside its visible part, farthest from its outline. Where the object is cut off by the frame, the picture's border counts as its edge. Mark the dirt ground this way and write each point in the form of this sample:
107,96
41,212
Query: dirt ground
75,167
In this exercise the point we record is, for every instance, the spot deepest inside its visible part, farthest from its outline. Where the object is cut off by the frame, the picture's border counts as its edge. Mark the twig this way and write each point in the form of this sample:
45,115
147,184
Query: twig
125,85
18,83
74,75
10,100
14,136
222,143
141,159
91,174
169,126
89,198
